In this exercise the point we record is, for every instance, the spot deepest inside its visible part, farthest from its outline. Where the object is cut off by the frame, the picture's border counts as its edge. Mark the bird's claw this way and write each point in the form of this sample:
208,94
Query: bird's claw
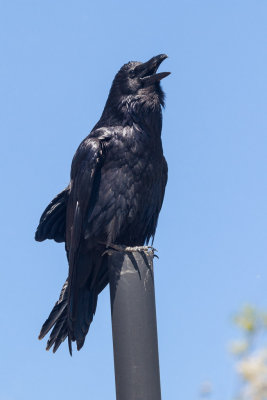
128,249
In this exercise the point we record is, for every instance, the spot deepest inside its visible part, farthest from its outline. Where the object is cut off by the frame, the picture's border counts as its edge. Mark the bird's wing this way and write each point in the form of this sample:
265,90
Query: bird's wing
85,173
85,167
52,223
164,178
157,200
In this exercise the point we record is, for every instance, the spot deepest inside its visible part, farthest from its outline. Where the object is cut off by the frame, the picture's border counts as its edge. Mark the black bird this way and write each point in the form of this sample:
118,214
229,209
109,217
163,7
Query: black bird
117,183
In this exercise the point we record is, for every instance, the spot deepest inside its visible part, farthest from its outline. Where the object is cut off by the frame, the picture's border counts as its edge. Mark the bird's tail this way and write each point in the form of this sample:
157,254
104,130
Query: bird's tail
58,319
79,322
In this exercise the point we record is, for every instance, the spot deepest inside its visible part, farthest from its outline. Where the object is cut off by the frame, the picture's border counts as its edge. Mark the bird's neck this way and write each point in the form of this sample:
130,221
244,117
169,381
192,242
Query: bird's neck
133,110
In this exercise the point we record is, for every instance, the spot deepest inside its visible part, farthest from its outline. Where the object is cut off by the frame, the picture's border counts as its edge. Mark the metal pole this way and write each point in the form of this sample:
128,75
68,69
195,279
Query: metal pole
134,326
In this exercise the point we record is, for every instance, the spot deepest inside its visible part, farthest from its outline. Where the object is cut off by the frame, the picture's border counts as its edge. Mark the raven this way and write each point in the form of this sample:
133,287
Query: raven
117,184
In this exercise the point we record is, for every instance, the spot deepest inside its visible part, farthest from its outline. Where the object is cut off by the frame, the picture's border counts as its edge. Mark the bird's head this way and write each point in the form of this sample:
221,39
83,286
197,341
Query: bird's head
136,76
138,81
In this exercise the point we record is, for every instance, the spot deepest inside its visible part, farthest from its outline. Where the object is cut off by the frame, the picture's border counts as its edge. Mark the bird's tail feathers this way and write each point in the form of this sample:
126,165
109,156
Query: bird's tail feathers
62,323
79,322
57,320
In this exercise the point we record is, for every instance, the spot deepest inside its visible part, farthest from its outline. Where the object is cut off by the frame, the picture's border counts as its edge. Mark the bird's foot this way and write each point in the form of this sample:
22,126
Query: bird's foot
128,249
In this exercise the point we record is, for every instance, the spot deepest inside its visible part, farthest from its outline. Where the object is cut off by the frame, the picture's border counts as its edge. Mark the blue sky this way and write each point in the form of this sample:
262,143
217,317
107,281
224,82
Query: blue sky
57,63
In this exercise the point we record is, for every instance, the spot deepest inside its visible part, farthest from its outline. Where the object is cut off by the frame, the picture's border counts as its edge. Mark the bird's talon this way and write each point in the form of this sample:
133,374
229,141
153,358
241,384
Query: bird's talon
127,249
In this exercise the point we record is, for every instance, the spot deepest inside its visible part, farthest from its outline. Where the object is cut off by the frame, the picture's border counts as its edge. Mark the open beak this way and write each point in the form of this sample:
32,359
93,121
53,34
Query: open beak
147,71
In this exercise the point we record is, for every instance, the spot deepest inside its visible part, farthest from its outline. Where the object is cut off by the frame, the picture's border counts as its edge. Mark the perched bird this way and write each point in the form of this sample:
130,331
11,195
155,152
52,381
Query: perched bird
117,183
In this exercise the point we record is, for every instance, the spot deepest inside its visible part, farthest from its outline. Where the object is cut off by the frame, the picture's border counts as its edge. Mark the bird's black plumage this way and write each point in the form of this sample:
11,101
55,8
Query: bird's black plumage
117,184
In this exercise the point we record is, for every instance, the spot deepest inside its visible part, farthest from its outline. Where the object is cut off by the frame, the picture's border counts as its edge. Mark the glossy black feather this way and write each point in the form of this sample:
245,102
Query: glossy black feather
52,223
116,190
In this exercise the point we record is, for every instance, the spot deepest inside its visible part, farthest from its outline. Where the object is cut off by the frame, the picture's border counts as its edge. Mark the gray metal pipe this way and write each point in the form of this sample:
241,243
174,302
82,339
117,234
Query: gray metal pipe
134,326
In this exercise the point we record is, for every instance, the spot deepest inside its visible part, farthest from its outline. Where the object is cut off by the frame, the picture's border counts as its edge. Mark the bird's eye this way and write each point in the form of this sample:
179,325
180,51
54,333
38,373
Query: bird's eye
132,73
